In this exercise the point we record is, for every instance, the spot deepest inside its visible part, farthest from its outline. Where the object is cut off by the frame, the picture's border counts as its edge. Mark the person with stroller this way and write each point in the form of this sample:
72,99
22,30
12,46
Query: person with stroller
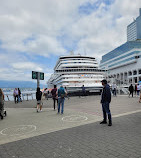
1,104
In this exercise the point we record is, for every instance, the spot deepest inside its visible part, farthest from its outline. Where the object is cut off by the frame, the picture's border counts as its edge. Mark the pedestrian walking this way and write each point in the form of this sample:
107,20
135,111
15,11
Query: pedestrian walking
114,89
138,89
105,101
66,93
19,95
38,98
54,96
131,90
140,98
83,91
46,92
1,104
61,98
15,94
43,98
135,89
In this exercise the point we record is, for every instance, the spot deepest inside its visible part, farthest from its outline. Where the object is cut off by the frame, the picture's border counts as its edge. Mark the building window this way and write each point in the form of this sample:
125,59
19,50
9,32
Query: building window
129,73
135,72
130,80
140,71
135,79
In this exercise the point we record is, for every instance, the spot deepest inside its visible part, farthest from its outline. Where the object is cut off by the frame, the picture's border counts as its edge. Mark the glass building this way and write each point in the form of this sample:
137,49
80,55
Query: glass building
134,29
123,64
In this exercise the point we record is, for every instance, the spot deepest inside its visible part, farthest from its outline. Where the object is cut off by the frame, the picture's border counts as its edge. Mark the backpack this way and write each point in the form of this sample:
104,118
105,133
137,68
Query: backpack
53,92
62,93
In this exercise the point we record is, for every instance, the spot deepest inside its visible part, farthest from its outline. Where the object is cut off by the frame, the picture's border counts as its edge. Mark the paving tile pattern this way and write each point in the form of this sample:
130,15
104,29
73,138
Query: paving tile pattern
122,140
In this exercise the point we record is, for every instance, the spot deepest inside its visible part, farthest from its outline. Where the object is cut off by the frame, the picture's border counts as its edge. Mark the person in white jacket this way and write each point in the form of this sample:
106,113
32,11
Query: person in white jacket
138,89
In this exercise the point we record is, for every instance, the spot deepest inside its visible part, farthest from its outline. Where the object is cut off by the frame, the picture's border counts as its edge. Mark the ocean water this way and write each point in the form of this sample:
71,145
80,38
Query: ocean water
26,93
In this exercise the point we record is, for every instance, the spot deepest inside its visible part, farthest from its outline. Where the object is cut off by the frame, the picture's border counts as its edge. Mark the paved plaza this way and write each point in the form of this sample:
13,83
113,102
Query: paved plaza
77,133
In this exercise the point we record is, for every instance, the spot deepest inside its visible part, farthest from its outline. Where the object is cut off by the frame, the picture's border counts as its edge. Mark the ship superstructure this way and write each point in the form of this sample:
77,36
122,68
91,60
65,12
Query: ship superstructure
74,71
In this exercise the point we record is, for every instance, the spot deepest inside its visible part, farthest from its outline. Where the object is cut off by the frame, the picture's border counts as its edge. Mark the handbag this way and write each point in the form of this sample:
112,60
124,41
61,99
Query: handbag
62,96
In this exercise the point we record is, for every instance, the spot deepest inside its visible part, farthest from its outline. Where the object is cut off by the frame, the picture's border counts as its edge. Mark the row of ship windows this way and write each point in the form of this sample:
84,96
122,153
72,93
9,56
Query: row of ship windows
78,59
77,70
80,77
77,63
135,52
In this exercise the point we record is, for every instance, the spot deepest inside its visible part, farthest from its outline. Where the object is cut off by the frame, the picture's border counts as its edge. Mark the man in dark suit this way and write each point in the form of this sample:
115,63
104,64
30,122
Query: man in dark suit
105,101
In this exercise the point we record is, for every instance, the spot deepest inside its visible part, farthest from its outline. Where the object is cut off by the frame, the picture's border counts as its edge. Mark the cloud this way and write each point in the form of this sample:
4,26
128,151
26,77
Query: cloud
21,70
26,66
45,20
105,28
51,28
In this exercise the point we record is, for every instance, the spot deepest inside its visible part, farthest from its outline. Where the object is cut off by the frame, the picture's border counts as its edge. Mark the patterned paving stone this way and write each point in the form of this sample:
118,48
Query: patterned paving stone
121,140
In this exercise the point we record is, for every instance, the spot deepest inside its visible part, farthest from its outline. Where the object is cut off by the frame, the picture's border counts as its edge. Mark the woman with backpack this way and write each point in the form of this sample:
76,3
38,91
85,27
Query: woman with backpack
61,99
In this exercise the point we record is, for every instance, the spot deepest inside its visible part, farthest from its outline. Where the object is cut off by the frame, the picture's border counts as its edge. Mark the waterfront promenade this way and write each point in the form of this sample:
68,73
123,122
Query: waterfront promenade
77,133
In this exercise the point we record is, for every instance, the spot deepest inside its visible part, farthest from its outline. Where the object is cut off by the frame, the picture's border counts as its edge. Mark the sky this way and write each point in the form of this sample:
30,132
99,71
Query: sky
33,34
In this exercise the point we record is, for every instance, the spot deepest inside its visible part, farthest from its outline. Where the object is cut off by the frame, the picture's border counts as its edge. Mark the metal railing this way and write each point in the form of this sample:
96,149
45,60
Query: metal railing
24,96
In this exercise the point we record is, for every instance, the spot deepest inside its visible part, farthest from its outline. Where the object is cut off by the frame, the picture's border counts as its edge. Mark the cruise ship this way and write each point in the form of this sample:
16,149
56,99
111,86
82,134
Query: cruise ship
74,71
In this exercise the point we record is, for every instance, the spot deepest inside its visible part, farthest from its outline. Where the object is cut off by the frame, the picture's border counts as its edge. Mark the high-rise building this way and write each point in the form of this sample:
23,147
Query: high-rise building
123,64
134,29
